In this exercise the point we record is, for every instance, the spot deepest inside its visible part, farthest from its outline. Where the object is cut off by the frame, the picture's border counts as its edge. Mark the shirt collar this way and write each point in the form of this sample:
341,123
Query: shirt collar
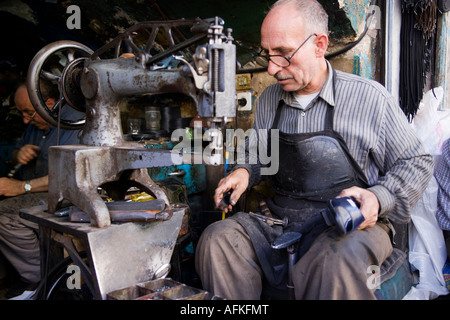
327,92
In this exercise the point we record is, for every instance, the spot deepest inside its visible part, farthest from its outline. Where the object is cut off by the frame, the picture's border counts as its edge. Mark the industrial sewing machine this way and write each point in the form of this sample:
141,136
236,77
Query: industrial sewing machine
95,86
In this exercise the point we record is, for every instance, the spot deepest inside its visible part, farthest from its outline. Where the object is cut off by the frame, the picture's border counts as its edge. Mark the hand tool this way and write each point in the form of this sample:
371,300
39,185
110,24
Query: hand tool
14,170
270,220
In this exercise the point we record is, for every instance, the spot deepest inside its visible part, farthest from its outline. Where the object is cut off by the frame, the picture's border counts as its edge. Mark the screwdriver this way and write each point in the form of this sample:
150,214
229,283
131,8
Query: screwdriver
14,170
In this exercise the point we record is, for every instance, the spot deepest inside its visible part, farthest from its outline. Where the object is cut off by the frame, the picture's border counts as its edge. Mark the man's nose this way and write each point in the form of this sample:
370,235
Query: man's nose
272,68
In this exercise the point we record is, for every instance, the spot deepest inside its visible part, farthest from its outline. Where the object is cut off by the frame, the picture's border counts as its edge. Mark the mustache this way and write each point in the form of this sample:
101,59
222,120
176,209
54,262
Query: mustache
280,76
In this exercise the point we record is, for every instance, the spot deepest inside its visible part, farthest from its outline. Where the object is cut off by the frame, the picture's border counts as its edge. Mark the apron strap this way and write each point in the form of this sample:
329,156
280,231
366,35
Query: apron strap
277,115
329,118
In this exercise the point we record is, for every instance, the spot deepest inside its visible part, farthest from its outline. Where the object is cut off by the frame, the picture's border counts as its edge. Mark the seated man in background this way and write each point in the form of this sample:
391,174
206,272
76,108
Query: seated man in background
19,243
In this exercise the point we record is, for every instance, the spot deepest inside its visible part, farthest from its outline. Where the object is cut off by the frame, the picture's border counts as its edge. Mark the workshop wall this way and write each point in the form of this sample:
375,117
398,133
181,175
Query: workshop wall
28,25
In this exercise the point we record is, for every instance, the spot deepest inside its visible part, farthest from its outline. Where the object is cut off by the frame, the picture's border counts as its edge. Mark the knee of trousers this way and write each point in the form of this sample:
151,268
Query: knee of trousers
216,239
222,233
349,254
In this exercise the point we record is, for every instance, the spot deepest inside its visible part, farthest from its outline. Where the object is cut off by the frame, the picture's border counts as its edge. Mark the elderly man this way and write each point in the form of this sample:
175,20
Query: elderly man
339,135
18,240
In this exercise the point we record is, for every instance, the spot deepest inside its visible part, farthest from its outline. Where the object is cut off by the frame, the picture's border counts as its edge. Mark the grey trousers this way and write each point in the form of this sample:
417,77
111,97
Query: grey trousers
334,268
19,242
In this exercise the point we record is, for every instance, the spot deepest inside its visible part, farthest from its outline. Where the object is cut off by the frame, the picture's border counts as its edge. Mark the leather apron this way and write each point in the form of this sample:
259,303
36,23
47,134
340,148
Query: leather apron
314,168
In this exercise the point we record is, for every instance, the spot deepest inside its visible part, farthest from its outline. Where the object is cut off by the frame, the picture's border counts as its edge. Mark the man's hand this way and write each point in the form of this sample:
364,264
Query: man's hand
237,182
368,204
27,153
11,187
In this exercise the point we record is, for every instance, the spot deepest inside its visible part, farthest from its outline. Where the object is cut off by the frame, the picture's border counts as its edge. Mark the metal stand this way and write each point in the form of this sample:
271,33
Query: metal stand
118,256
289,241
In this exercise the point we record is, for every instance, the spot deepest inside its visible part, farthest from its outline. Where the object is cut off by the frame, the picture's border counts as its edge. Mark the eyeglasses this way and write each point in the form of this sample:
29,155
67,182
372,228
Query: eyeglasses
28,117
280,60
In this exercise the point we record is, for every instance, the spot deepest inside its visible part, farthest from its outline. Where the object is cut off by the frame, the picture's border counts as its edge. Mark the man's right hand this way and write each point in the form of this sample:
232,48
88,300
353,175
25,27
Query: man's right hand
237,183
27,153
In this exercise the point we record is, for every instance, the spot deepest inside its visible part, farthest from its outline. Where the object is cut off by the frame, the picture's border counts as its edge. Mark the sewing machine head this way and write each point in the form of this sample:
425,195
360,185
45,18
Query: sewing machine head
136,66
202,67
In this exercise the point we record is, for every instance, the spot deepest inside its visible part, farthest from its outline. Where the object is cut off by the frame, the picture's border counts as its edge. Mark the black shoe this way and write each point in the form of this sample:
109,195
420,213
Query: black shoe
17,288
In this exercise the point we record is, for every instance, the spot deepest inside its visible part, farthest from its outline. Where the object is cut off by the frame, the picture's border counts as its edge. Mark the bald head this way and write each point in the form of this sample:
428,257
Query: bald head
310,12
24,105
297,30
22,100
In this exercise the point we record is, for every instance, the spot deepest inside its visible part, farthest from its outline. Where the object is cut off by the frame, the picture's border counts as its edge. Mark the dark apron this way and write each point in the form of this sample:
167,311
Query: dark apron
314,168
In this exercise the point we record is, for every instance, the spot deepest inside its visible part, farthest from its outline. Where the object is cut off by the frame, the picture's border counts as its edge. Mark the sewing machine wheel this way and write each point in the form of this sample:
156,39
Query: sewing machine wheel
58,63
55,288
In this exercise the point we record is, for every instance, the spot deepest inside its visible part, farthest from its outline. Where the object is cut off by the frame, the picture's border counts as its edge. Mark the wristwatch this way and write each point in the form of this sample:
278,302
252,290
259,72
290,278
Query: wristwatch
27,186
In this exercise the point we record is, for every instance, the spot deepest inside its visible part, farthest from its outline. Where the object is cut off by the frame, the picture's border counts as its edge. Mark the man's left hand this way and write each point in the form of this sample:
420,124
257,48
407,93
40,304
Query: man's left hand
368,204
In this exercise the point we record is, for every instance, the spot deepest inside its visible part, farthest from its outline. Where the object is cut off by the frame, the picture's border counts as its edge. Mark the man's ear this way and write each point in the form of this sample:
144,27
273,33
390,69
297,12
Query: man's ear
50,102
321,43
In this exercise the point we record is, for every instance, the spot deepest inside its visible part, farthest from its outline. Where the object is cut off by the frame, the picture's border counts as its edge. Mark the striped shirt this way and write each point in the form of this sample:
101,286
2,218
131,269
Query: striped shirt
377,133
442,176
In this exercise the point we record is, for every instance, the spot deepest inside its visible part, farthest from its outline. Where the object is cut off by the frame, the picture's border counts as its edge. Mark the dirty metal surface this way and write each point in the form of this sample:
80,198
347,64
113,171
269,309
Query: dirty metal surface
76,172
130,253
120,255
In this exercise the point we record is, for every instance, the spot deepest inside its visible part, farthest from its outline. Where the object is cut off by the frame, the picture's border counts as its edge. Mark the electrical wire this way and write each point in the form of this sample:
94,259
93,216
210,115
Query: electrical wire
331,55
